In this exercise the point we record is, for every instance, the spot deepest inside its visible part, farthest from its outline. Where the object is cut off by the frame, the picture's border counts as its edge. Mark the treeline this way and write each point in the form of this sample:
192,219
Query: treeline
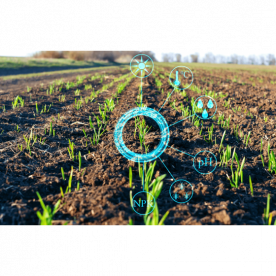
210,58
110,56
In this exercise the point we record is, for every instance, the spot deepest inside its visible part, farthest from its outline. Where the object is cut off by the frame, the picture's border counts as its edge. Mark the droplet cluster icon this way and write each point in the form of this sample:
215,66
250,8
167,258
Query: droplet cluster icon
205,107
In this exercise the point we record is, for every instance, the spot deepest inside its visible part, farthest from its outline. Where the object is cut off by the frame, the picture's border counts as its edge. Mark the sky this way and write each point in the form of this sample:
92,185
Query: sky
159,53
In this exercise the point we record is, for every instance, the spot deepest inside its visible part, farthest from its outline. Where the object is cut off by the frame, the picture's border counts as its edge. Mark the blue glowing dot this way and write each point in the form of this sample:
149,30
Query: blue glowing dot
142,66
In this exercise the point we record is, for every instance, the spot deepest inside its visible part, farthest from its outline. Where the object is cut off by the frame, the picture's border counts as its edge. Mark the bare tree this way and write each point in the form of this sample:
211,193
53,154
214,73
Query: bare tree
221,59
168,57
234,59
262,60
271,59
185,59
178,57
209,58
194,57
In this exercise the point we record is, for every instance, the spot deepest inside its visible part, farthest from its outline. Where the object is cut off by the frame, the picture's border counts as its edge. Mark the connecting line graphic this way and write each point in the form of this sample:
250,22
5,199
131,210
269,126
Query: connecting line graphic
165,101
166,168
182,120
181,151
141,88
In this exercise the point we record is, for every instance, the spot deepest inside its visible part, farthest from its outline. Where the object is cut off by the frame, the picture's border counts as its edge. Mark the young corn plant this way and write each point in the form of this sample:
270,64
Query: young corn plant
79,161
246,140
78,104
77,92
251,186
268,217
87,87
71,150
261,152
110,104
173,105
18,100
156,187
237,176
143,131
221,142
47,217
271,162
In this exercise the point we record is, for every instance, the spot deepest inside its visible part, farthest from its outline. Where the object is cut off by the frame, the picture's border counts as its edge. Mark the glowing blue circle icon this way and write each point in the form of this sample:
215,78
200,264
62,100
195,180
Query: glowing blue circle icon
205,162
181,191
141,66
205,107
181,77
143,203
164,129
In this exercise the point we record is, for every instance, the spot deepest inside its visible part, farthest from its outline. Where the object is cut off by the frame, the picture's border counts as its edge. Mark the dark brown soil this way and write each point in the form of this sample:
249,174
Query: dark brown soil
103,197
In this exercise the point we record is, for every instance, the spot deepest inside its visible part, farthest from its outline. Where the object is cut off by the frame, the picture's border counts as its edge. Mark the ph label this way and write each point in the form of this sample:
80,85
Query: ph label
202,163
205,162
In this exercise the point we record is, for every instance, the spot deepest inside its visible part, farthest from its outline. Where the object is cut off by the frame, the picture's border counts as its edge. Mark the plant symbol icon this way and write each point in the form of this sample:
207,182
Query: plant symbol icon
186,196
205,114
175,195
181,186
210,104
200,104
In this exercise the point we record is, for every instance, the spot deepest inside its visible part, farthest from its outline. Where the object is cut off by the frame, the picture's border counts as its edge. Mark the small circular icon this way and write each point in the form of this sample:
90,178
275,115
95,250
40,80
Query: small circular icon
163,126
181,77
181,191
141,66
143,203
205,162
205,107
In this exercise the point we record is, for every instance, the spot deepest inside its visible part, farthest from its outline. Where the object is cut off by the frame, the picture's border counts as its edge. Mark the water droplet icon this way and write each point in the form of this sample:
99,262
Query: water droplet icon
205,114
210,104
200,104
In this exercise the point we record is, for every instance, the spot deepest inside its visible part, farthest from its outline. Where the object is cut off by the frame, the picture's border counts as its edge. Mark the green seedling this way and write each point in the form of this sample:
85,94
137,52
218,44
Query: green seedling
84,133
71,150
110,104
210,131
70,181
87,87
271,162
79,161
267,218
172,104
221,143
47,217
78,104
77,92
251,186
247,140
62,173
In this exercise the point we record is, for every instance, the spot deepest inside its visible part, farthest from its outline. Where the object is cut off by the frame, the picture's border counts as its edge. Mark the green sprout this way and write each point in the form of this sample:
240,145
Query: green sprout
251,186
47,216
267,217
79,161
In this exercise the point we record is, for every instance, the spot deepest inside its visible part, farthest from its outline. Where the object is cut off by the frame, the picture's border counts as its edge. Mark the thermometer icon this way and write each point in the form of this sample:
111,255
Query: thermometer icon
176,82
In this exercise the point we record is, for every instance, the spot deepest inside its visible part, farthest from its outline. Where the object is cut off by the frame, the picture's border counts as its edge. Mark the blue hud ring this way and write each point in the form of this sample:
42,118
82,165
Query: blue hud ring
164,129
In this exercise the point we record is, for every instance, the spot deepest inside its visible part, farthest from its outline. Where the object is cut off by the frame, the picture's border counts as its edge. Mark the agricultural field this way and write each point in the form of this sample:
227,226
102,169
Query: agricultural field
23,66
60,164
